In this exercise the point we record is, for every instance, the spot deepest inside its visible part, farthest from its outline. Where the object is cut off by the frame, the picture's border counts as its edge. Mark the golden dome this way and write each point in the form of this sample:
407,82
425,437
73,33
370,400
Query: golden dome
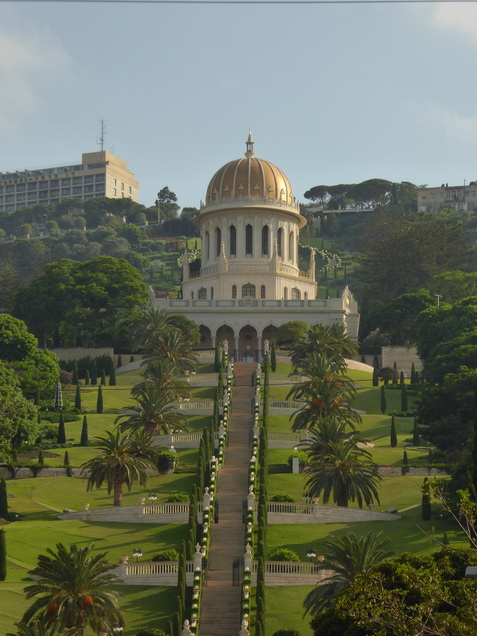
250,181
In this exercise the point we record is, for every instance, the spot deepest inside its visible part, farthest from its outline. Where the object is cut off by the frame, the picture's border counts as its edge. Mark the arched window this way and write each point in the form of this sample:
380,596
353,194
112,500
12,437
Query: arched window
280,241
202,294
295,294
212,293
262,291
305,296
234,291
249,240
192,295
285,293
233,240
265,240
218,241
207,246
248,290
291,245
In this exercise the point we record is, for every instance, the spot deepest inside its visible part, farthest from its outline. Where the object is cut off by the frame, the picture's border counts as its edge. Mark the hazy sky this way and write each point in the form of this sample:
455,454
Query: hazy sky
332,93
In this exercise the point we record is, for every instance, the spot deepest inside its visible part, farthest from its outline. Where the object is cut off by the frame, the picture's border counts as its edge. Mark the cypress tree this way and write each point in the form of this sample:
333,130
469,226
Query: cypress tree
413,373
120,362
416,440
445,539
405,463
41,459
131,358
3,498
99,401
78,398
112,378
87,380
363,358
84,432
376,362
75,373
273,357
396,375
425,502
3,556
66,460
401,377
103,377
404,402
93,372
61,437
393,435
375,377
383,400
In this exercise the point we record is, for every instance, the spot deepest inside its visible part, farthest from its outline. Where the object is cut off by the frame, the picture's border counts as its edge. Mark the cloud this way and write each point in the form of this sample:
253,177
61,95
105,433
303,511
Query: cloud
451,124
457,16
31,59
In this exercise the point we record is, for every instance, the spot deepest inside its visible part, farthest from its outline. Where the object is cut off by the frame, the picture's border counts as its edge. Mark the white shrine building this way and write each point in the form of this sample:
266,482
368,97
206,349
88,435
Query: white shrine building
249,282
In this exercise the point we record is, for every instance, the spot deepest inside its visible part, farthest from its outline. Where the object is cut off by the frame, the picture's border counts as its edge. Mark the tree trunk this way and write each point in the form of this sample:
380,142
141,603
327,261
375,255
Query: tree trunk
118,493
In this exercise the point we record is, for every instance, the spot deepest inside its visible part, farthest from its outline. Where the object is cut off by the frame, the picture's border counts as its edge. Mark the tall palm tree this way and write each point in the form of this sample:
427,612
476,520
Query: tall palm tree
120,463
327,430
153,413
167,376
75,592
330,340
171,345
345,472
152,324
346,557
37,628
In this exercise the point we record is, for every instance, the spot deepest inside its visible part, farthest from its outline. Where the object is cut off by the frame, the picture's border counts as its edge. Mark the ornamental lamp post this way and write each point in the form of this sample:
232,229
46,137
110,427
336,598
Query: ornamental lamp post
137,552
311,554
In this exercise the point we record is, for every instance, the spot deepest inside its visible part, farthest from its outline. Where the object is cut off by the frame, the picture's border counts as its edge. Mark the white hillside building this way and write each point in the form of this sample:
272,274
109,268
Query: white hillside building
249,282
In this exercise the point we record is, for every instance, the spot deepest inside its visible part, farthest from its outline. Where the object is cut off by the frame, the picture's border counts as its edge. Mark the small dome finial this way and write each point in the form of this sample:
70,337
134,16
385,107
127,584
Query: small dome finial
249,145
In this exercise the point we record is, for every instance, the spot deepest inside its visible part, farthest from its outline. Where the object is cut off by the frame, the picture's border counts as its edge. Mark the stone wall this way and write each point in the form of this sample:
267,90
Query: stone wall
403,357
315,513
76,353
129,514
25,472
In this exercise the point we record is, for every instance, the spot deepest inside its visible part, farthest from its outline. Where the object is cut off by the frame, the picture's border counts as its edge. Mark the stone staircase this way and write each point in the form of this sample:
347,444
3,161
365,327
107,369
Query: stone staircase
220,613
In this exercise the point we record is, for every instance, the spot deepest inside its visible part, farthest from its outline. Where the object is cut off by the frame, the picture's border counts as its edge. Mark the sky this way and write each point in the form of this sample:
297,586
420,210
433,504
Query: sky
333,93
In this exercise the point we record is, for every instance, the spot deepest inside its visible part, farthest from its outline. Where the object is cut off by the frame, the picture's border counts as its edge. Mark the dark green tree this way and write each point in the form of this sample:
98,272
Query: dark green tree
99,400
84,432
41,459
87,379
3,556
61,437
120,362
3,498
103,377
66,460
78,398
383,400
416,439
93,372
112,378
273,357
75,372
393,434
404,400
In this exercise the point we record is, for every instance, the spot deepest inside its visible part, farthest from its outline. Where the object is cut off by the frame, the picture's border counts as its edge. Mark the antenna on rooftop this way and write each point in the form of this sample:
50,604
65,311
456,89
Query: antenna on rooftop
101,139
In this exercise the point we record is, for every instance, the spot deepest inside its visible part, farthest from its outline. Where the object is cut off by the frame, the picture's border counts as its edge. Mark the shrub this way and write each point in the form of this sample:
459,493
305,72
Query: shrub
166,461
178,496
284,554
282,497
166,555
151,632
286,632
302,456
54,418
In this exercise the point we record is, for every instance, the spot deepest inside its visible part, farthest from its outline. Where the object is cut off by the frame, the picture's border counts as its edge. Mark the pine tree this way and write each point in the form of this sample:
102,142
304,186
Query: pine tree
93,372
3,498
78,398
99,401
383,400
75,373
3,556
404,401
103,377
84,433
61,437
416,440
112,378
273,357
393,434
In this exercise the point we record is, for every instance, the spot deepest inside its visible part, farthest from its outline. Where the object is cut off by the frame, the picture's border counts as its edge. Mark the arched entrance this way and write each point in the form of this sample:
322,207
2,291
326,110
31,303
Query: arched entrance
270,334
227,333
248,344
205,337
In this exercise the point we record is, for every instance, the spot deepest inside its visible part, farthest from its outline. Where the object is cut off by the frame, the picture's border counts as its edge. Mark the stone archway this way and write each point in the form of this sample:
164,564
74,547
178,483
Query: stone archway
269,333
205,337
248,349
227,333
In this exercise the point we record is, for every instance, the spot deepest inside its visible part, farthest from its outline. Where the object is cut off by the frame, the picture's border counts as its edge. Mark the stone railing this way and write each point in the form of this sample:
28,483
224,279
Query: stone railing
284,512
153,573
285,440
202,379
182,440
283,407
291,573
166,512
283,378
197,406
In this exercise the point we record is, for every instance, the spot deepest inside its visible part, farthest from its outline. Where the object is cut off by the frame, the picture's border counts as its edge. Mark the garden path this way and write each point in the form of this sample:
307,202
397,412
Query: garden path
220,613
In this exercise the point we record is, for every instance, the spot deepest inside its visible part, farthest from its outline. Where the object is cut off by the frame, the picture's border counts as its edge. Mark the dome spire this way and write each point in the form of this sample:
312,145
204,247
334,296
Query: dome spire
249,145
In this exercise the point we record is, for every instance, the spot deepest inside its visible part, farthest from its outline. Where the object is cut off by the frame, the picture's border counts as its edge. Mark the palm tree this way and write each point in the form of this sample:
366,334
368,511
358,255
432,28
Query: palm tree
344,472
124,459
154,412
74,590
346,557
172,346
327,430
167,376
331,340
152,324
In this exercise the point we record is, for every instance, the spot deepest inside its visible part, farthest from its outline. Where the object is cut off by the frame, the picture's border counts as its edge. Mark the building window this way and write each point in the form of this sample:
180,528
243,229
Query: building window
65,182
207,246
295,294
280,241
218,241
248,290
265,240
290,247
202,295
262,291
234,291
212,293
249,240
233,240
